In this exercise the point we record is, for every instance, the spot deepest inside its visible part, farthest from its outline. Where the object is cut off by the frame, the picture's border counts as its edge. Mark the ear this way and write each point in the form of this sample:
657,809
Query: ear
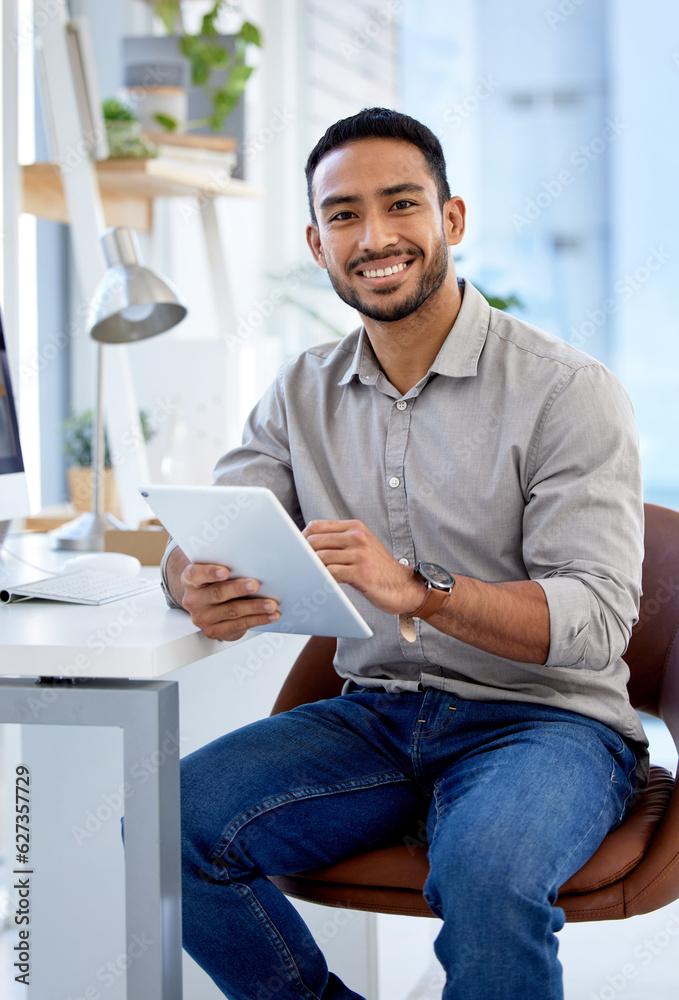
314,241
454,215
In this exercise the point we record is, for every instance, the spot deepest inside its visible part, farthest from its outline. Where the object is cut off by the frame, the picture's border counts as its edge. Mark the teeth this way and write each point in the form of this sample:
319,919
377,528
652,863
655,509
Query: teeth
383,272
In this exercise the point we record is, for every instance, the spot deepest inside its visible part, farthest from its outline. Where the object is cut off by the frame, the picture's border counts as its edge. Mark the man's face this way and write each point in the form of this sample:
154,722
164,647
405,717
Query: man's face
377,210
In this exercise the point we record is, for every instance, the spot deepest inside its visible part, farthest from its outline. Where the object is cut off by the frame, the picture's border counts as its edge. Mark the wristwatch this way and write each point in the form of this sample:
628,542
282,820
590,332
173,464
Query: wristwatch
439,583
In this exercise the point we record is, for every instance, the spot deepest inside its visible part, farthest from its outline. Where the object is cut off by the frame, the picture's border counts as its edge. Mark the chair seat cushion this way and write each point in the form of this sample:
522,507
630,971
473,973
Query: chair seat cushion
406,867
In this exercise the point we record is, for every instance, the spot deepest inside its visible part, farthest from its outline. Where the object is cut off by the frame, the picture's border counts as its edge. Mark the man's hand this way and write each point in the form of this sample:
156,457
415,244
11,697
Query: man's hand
354,555
221,607
508,619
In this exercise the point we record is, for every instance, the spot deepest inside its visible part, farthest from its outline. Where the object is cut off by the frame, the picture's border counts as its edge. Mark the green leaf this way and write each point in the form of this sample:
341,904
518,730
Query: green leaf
250,34
169,13
114,109
200,67
224,101
208,26
167,121
217,56
216,121
238,77
189,45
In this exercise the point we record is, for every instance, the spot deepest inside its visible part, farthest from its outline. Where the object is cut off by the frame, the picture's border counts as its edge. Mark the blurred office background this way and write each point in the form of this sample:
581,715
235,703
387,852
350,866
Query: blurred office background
559,123
558,119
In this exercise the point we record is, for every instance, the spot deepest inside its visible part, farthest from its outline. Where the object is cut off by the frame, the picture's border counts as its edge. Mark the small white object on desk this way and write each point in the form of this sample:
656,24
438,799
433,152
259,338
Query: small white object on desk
107,562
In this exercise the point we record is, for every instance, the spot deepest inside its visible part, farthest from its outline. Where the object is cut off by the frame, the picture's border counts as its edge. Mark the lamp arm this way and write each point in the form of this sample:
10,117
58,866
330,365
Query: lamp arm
98,442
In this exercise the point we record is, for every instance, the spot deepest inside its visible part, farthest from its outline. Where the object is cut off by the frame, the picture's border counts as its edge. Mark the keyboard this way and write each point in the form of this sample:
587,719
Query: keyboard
83,586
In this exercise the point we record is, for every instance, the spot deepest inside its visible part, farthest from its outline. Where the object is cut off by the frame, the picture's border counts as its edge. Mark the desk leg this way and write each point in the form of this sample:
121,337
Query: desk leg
148,713
152,848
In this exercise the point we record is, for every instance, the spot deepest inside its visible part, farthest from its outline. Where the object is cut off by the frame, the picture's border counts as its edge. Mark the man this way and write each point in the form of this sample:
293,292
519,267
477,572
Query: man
502,464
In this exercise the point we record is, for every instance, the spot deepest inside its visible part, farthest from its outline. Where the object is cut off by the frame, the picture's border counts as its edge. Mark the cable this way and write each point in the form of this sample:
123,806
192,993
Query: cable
41,569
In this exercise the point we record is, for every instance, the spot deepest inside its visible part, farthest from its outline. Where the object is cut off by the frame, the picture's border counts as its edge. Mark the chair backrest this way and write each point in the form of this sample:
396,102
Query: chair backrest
653,652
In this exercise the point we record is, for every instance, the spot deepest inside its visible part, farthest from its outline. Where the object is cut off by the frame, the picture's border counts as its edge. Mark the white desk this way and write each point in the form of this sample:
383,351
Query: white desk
97,666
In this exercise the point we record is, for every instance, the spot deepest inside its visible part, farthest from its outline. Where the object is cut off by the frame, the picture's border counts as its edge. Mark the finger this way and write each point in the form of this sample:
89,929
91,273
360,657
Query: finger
343,556
237,627
198,574
218,593
334,540
320,526
235,610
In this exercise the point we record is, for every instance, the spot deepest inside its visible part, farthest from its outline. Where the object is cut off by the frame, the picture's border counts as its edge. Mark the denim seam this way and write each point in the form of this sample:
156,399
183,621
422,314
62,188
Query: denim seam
424,734
354,784
594,821
276,939
430,843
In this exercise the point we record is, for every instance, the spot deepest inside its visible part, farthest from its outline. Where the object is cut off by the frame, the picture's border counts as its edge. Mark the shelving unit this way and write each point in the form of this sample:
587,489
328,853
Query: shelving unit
129,186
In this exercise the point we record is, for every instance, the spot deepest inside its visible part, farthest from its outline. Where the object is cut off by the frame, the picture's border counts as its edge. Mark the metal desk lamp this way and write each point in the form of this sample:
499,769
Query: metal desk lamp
130,303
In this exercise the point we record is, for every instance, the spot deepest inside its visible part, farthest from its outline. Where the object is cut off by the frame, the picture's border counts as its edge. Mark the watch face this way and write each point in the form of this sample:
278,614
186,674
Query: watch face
436,575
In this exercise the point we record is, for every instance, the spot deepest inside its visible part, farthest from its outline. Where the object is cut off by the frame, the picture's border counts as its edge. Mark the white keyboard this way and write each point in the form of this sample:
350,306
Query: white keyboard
83,586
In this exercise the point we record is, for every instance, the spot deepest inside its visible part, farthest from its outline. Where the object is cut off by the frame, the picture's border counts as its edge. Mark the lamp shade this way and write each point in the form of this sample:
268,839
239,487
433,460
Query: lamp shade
131,302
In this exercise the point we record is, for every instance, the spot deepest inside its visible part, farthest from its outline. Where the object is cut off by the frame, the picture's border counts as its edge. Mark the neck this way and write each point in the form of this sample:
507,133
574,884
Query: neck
406,348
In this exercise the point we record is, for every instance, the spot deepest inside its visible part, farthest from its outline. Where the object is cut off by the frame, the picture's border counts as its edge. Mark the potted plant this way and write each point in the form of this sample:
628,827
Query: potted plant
206,69
219,70
123,131
77,442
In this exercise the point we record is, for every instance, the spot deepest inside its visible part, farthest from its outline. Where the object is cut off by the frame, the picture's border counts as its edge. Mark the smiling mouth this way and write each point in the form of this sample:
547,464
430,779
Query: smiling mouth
385,272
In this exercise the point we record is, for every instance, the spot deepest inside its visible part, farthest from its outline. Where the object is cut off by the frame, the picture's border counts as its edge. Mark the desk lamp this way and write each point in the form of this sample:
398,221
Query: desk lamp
130,303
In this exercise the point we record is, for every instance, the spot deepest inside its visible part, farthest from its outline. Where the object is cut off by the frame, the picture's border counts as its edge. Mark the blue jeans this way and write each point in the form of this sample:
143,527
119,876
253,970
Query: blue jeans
515,797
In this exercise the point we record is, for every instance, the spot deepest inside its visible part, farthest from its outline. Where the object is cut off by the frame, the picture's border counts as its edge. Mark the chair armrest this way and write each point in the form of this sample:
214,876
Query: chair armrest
312,676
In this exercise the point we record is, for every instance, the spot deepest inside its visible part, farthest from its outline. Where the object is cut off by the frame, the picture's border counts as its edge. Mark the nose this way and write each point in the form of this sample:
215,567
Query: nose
378,232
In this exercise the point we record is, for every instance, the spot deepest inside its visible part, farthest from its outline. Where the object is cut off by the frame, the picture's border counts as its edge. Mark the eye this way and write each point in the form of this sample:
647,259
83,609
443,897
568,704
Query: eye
341,216
404,203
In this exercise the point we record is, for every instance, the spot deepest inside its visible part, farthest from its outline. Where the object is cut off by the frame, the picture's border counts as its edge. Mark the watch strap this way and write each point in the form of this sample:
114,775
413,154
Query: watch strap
433,600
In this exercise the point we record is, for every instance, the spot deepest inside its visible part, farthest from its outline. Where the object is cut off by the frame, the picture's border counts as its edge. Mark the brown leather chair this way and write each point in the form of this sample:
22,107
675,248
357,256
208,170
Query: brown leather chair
636,868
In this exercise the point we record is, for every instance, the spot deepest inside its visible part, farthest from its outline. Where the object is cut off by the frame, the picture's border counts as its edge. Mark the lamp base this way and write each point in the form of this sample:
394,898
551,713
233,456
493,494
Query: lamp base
85,533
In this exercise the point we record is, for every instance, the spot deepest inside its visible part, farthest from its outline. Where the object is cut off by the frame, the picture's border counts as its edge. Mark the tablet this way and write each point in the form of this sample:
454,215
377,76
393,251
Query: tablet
247,529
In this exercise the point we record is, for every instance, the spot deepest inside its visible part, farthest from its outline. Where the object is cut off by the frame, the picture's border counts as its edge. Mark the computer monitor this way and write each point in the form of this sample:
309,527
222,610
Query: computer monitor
13,490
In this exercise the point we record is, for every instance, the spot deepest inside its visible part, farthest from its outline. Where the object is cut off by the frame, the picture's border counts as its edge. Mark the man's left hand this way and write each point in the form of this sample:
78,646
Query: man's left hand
352,554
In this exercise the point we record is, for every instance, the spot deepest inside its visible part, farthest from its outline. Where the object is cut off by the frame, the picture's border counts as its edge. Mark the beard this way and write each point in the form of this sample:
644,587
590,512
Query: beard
430,282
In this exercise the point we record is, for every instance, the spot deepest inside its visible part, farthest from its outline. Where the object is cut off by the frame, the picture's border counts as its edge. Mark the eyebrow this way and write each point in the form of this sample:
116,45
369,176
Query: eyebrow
347,199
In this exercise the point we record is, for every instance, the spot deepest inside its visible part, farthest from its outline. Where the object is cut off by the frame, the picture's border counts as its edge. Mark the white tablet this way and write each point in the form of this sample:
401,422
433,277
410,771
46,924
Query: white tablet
247,529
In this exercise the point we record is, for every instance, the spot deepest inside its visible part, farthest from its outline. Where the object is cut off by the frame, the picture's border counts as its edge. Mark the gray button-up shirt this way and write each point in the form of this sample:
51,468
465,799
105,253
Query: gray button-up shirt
514,458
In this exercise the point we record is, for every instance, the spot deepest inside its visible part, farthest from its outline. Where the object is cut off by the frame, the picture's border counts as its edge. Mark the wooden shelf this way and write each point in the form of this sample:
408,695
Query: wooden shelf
128,187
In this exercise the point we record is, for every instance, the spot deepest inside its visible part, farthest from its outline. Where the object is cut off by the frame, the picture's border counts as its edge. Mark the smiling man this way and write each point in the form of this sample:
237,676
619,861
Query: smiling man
475,482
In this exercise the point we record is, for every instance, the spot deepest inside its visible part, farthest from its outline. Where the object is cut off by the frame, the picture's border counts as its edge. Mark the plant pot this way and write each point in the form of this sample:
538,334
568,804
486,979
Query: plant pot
150,101
80,487
125,138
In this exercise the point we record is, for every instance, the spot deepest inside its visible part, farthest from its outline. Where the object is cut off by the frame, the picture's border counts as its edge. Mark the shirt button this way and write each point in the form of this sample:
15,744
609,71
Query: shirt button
401,405
394,482
404,561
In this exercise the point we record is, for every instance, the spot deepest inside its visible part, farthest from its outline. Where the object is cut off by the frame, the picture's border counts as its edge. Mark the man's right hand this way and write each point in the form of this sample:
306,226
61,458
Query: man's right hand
222,608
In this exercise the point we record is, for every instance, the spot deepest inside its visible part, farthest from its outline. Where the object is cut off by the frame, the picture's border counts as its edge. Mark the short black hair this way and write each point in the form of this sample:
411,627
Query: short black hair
381,123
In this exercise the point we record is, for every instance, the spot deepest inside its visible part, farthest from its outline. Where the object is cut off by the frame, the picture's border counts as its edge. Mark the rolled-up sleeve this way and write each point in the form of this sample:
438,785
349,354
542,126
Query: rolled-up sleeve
583,523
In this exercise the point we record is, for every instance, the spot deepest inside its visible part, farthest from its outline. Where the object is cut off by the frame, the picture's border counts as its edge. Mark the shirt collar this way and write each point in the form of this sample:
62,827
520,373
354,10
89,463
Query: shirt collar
460,351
